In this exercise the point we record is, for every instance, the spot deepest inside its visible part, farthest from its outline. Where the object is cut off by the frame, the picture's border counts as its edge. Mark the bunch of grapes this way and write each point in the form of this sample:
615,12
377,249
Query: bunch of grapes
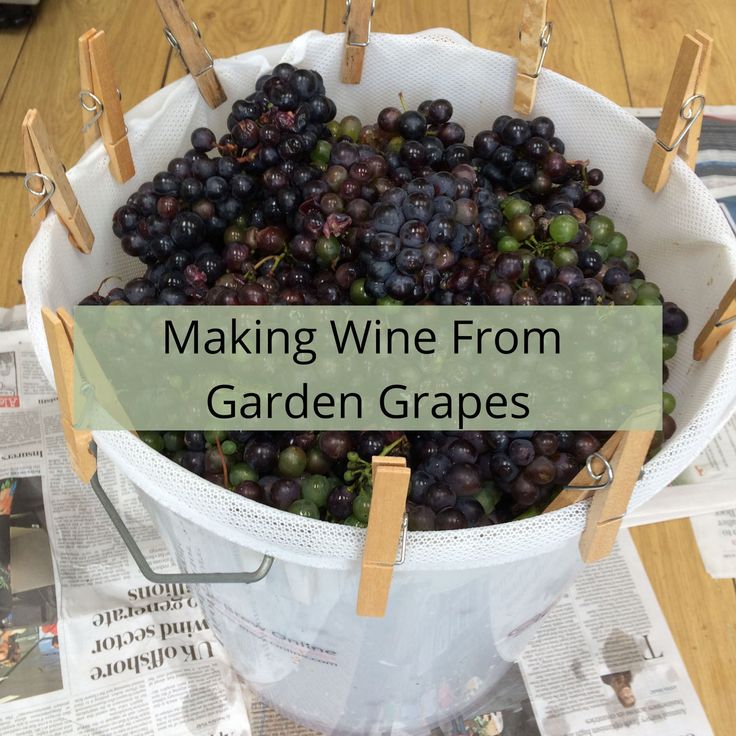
292,206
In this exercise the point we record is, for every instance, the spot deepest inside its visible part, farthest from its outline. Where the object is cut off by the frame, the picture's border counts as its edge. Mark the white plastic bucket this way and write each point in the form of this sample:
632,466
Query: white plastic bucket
464,603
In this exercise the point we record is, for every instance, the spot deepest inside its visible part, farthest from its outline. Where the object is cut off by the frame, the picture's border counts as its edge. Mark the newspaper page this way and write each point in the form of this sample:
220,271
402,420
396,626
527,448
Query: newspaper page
716,538
714,473
604,659
86,644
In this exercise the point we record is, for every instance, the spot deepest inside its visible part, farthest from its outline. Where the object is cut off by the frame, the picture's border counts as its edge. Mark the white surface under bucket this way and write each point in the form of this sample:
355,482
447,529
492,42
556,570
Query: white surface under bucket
464,603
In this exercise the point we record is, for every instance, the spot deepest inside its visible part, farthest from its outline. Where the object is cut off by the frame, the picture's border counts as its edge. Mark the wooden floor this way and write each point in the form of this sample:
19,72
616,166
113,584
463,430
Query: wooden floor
622,48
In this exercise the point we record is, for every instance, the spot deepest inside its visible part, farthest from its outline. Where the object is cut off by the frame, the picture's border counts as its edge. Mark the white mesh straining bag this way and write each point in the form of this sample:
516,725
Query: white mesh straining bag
683,239
505,576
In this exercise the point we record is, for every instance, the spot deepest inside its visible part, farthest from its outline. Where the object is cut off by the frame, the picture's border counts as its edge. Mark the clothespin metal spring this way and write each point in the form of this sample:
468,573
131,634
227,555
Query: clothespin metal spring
686,113
607,472
350,42
96,107
43,194
544,38
171,38
724,322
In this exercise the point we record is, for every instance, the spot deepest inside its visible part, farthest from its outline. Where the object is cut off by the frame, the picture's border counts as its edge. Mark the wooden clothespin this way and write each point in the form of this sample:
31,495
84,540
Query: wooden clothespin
580,488
721,322
609,505
185,38
534,37
59,328
90,127
688,149
682,108
43,163
100,95
357,22
386,524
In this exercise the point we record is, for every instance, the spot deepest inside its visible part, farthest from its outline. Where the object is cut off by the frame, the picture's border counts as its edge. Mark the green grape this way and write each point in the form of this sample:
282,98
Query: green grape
668,402
617,245
327,249
211,437
529,513
631,260
350,126
234,234
174,441
624,294
388,301
488,496
334,127
647,301
292,462
228,447
563,228
362,507
636,283
521,227
316,489
601,250
177,456
302,507
507,244
240,472
321,153
669,346
648,289
394,145
153,439
317,461
601,228
358,294
353,521
526,258
565,256
513,206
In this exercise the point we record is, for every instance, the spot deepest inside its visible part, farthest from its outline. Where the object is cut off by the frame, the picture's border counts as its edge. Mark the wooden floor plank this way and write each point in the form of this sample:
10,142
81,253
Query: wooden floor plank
701,613
11,42
650,38
231,28
584,45
406,16
46,75
16,229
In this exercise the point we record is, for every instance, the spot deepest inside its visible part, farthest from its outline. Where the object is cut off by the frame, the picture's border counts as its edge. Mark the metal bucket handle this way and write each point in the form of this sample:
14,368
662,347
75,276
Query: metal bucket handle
158,577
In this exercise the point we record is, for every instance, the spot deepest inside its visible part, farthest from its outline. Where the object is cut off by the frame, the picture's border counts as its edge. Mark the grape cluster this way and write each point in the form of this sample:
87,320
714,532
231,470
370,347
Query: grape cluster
459,479
292,206
467,479
323,476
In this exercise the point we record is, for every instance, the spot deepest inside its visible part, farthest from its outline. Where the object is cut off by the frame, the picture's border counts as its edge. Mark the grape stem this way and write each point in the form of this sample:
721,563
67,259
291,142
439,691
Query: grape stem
105,280
387,450
276,260
222,460
402,100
